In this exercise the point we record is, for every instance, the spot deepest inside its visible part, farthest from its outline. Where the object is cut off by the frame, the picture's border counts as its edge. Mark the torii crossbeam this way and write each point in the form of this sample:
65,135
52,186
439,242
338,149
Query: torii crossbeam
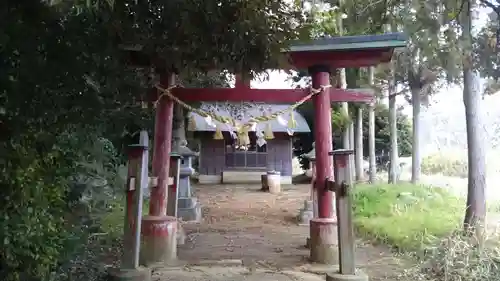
267,95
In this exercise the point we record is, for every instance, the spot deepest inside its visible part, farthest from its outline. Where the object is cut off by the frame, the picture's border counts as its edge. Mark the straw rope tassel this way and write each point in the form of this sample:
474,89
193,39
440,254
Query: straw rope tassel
292,123
268,132
191,122
218,134
243,138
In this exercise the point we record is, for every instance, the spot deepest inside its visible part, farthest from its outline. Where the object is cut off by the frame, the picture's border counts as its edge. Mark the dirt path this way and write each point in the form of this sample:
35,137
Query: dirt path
240,222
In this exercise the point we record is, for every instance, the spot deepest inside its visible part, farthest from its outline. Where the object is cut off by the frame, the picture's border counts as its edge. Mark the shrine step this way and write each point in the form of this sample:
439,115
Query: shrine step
249,177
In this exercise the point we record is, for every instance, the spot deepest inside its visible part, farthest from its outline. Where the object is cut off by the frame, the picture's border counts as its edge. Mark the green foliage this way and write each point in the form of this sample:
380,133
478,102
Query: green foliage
56,99
486,58
54,201
407,217
382,133
340,120
205,35
62,87
448,164
303,144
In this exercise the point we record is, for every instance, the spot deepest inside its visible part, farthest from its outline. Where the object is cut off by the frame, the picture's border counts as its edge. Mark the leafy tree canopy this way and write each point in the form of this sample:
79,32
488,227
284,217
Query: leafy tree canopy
203,35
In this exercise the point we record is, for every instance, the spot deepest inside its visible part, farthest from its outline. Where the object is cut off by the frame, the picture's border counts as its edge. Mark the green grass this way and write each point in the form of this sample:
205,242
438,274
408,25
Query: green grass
405,216
112,222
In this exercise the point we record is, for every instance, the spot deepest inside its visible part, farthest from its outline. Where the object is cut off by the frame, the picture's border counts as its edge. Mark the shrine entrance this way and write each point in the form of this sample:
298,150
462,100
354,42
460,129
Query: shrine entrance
252,157
319,57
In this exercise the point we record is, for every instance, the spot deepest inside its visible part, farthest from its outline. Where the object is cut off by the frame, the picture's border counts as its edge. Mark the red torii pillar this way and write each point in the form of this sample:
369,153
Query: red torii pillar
159,230
322,229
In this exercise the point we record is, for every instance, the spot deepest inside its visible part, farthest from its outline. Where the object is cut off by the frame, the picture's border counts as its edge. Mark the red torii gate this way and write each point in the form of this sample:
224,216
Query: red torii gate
319,57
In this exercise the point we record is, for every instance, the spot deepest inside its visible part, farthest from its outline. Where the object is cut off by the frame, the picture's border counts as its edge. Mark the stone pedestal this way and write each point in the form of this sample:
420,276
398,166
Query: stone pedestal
323,243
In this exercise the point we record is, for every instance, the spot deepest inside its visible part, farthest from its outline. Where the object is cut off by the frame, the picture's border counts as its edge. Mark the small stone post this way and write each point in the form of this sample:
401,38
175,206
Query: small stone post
345,230
310,208
137,181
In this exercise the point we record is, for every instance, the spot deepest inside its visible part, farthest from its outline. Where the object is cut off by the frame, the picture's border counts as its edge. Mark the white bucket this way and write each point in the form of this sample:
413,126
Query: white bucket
274,182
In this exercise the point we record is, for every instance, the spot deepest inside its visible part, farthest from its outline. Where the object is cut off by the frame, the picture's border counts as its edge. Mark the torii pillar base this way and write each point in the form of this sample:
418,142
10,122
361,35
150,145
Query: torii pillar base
323,241
159,234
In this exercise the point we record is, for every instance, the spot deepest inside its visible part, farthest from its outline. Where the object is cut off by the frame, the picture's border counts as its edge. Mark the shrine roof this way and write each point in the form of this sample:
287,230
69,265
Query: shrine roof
350,43
250,111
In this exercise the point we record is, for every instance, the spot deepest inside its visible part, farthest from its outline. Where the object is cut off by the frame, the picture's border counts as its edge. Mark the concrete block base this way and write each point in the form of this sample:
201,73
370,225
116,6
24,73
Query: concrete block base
159,235
336,276
323,235
138,274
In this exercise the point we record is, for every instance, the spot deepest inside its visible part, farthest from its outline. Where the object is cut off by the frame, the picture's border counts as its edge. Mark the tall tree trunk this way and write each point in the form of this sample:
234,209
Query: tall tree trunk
346,143
343,84
351,133
394,161
371,131
178,128
475,212
352,147
359,145
416,155
345,111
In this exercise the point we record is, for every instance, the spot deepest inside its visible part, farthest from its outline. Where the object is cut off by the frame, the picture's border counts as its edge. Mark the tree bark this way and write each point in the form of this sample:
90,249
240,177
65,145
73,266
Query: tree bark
371,144
359,146
416,156
345,110
475,212
178,128
351,134
371,131
352,147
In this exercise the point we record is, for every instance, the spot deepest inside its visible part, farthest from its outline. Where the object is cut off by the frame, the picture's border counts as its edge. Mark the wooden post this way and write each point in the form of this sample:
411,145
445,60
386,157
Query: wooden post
342,185
343,191
173,190
137,181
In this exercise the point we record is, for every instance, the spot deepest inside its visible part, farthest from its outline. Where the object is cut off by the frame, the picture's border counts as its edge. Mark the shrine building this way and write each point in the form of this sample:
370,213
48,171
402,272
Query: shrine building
221,161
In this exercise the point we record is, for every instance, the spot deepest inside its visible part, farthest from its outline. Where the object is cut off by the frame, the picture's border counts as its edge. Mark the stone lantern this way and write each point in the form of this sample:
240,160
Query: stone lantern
189,209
